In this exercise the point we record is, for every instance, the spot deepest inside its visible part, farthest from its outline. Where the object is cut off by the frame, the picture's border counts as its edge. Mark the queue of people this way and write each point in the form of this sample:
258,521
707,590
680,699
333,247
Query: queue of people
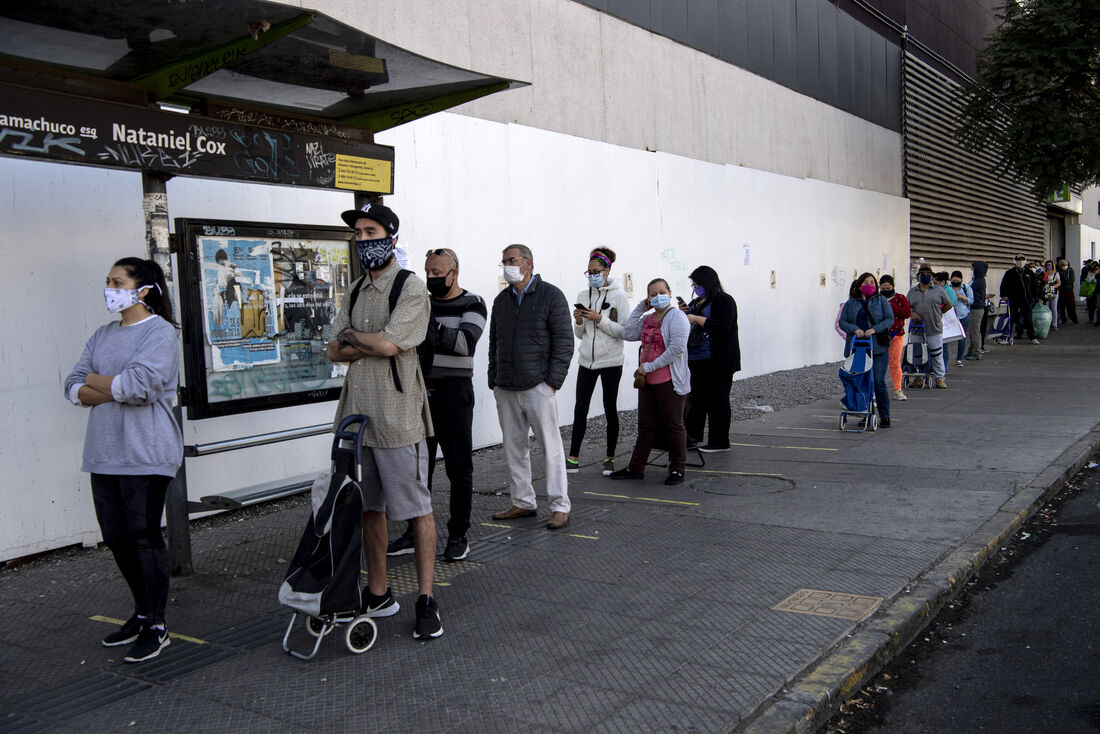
688,353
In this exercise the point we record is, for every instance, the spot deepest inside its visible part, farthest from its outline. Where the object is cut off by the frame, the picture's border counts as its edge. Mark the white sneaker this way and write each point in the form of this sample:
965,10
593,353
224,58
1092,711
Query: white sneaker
1034,341
899,395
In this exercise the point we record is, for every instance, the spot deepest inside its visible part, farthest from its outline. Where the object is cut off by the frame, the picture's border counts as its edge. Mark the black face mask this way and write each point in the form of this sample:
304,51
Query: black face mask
886,292
956,285
437,286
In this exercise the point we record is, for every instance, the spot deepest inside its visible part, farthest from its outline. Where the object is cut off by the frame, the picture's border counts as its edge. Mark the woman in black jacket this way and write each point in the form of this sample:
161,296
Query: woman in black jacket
712,361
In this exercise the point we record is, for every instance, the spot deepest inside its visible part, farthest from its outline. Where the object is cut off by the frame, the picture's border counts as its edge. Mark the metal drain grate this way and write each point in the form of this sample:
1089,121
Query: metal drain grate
403,580
835,604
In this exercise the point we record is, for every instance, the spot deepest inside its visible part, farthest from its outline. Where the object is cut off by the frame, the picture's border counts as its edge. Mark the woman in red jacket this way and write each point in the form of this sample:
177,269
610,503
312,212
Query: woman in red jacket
900,305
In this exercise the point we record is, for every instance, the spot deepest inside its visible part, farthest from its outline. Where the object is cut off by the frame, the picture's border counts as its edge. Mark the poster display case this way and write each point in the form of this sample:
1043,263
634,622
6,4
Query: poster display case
258,301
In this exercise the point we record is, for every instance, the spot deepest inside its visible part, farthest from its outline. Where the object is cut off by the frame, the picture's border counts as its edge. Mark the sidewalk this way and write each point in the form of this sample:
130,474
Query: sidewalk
653,610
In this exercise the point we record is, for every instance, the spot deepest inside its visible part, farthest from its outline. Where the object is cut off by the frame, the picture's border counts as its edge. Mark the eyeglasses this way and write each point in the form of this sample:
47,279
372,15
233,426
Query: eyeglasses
588,273
512,261
442,252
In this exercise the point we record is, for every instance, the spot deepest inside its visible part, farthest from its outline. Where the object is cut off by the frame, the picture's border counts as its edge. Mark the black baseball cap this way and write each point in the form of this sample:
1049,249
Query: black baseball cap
378,212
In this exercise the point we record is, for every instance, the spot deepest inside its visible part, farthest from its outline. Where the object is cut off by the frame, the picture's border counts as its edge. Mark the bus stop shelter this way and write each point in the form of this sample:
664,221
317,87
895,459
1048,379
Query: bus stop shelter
235,90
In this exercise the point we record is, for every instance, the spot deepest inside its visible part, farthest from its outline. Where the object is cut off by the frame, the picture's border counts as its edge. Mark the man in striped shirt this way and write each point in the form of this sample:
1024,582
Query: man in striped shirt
458,317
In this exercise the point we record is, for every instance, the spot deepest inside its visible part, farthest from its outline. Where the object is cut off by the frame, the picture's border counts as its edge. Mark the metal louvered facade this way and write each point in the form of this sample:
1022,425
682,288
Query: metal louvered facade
960,209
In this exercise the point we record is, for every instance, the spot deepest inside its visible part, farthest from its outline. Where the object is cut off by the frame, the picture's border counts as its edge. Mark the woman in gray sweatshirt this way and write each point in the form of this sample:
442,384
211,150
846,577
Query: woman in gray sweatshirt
127,375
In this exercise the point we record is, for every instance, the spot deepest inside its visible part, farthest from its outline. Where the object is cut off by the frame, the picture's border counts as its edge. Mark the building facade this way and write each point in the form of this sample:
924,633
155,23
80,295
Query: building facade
790,145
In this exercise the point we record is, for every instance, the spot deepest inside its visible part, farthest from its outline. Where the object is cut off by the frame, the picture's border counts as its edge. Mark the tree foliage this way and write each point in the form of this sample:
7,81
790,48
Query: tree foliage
1036,104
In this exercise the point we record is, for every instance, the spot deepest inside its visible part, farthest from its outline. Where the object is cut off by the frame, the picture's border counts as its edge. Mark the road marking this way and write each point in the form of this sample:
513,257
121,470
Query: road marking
495,525
644,499
802,428
120,622
577,535
794,448
737,473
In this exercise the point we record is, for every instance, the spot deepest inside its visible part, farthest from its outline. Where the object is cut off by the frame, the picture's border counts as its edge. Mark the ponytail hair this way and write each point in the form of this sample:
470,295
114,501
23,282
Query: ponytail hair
147,273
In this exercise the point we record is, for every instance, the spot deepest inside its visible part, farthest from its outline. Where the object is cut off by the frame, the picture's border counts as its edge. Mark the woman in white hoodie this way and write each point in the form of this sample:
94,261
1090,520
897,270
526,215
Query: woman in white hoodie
598,318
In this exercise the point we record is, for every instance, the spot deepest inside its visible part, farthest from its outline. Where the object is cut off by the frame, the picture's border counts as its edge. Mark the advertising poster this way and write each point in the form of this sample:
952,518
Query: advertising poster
238,291
258,313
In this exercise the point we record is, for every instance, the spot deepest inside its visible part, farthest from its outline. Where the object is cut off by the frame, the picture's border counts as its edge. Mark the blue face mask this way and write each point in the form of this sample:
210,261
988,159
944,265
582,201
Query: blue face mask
925,279
660,301
595,280
373,254
699,291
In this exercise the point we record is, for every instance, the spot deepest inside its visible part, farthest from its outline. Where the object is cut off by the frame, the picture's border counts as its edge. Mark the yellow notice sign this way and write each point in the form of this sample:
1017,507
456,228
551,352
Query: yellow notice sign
364,174
357,62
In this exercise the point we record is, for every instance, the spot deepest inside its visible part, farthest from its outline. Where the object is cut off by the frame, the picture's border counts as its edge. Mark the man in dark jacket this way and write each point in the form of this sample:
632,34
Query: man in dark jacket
1020,286
977,311
530,345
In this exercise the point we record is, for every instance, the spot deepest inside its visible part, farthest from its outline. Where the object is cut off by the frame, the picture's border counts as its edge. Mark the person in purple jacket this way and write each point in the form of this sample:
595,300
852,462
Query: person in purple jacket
127,375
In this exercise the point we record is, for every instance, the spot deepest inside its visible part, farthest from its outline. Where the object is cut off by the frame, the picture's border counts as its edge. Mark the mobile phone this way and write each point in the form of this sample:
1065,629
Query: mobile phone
581,306
681,300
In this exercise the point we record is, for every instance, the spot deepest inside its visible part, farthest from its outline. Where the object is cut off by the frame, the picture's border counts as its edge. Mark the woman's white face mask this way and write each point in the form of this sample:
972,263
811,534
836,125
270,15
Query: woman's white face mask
120,299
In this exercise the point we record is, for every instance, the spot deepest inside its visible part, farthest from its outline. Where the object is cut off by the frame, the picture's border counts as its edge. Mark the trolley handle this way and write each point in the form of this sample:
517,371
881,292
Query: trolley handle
344,434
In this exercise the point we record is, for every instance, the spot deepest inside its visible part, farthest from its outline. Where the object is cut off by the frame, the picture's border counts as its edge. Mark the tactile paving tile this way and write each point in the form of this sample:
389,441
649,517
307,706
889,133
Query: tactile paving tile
403,577
835,604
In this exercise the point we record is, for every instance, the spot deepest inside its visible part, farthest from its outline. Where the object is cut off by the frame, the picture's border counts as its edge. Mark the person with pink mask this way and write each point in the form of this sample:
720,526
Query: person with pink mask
868,315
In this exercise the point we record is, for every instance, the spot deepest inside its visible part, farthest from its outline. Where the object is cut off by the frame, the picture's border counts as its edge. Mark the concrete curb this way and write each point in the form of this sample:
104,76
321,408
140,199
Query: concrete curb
817,691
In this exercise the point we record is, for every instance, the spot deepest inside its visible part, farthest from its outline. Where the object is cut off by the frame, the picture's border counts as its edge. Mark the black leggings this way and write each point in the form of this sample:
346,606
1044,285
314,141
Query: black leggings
128,509
586,385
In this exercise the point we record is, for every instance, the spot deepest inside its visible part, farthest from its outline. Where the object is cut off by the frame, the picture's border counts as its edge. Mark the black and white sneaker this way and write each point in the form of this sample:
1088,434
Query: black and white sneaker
457,549
150,641
712,449
674,477
402,545
379,606
125,634
427,619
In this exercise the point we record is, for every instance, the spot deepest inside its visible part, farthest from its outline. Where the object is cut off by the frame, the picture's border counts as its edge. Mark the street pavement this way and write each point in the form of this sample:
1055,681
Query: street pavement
755,597
1020,653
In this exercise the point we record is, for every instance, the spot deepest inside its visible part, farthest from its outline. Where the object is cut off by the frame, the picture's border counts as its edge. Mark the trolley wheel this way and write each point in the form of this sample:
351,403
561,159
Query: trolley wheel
316,627
873,423
842,421
361,635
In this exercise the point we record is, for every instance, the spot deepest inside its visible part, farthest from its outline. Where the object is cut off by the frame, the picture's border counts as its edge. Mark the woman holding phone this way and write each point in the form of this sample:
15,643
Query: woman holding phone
598,318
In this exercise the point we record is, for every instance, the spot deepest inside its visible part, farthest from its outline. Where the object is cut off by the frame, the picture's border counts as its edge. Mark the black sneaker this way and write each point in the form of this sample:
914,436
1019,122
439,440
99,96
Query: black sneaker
125,634
674,477
427,619
379,606
457,549
712,449
626,474
150,641
884,422
401,546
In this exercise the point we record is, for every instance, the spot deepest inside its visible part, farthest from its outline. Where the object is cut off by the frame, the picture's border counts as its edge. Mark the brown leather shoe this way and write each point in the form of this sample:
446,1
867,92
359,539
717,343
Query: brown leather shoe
513,513
558,520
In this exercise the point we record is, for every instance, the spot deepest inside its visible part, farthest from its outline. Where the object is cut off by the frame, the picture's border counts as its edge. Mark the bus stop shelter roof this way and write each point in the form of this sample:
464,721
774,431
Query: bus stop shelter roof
234,52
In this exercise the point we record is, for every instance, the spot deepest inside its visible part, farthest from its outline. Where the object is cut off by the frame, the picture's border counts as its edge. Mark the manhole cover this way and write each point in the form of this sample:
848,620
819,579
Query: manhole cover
742,486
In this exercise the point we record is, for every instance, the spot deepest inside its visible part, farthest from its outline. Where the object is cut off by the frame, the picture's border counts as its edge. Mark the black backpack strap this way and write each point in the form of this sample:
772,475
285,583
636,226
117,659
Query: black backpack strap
354,295
395,293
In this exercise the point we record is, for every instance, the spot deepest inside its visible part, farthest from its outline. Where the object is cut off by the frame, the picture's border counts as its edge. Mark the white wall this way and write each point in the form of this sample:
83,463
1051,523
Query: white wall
464,183
662,214
61,227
